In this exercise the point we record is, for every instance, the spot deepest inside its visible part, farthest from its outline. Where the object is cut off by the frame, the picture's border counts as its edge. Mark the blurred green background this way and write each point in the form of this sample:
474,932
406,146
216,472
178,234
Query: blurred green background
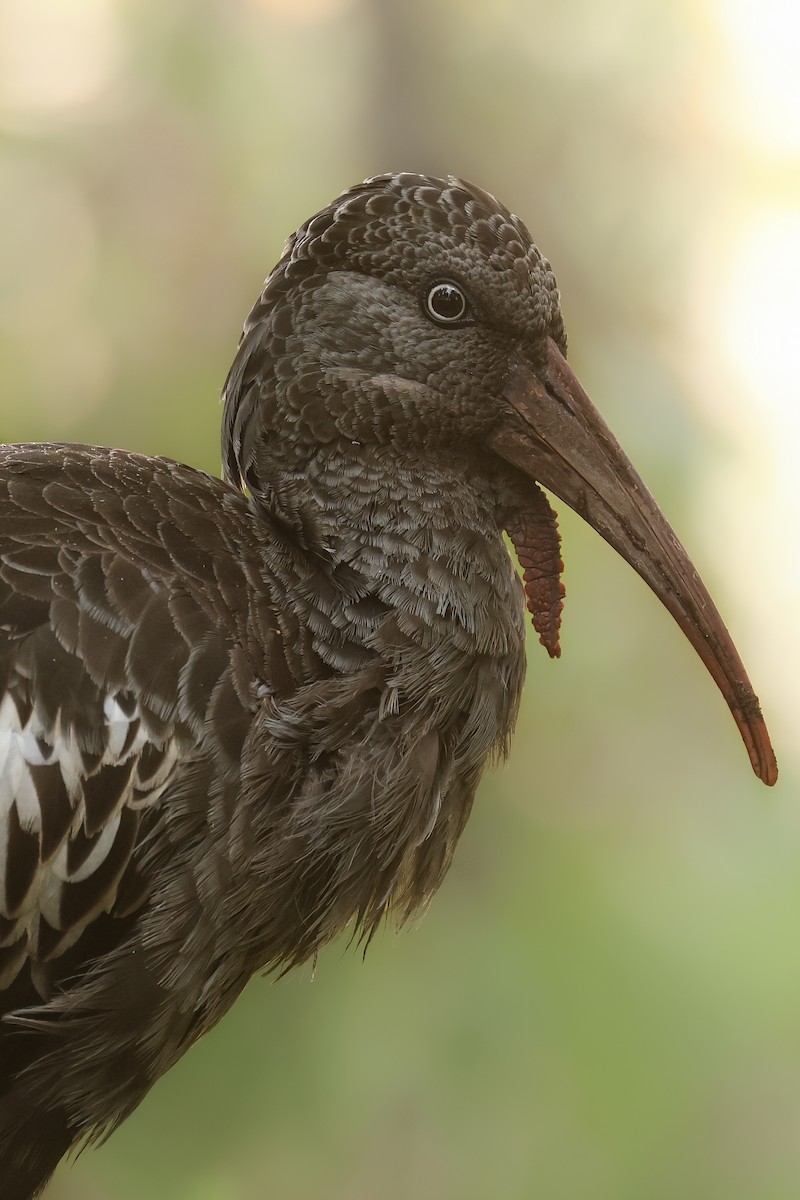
604,1001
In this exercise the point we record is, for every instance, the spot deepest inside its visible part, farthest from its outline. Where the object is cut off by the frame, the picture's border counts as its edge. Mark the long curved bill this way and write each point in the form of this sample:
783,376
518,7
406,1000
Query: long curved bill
556,436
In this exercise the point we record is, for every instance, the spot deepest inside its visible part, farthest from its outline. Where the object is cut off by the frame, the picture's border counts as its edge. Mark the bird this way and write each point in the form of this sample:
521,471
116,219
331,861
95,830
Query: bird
241,715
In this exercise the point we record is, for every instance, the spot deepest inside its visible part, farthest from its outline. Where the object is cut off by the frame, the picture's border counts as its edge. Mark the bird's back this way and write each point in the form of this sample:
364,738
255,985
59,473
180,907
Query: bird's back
124,598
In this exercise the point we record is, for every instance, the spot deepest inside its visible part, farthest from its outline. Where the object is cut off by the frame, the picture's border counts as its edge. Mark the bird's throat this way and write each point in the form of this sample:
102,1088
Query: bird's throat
421,545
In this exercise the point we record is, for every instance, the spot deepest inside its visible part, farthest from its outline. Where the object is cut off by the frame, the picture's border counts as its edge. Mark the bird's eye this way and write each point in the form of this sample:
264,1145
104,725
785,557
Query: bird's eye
446,303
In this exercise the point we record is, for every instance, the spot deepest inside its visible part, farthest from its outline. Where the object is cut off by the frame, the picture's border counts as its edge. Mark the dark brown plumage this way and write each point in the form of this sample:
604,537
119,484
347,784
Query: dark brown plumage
237,717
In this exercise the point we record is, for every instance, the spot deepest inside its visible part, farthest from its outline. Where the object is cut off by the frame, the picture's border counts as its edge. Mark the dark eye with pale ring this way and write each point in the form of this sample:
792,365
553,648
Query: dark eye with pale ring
446,303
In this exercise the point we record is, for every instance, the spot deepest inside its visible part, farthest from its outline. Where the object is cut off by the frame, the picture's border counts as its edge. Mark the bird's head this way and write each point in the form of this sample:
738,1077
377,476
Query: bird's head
415,316
391,319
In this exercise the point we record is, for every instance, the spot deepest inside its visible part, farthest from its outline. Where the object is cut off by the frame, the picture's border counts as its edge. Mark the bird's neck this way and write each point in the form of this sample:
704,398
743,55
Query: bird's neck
419,541
408,616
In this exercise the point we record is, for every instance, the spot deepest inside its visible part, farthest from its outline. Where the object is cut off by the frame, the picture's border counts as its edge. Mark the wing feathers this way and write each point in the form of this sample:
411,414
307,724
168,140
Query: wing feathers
55,809
120,603
21,859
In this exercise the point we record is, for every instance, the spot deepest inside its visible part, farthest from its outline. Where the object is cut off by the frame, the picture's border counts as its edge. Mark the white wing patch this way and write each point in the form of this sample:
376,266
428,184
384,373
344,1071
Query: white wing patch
67,824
